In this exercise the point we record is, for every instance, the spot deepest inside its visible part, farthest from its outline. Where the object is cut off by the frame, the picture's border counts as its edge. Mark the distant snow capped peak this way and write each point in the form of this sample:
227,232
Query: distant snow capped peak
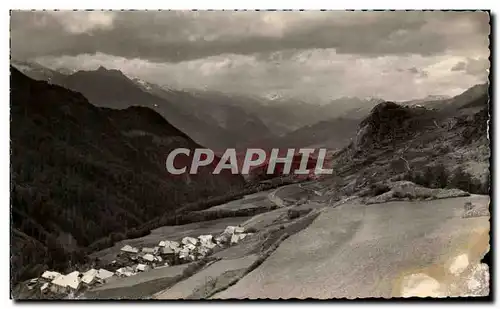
273,96
66,71
437,97
151,87
22,67
167,88
143,83
36,71
374,99
111,72
25,66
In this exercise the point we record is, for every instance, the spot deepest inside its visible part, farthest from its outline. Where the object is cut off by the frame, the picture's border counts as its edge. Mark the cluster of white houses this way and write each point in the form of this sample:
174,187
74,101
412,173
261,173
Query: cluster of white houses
57,283
189,249
136,260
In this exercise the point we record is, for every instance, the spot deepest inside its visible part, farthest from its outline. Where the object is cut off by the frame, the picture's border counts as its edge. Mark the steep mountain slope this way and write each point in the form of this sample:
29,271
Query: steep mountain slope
284,115
241,127
214,119
111,88
38,72
208,122
469,101
350,107
434,148
80,173
279,118
289,114
337,133
429,101
333,134
472,96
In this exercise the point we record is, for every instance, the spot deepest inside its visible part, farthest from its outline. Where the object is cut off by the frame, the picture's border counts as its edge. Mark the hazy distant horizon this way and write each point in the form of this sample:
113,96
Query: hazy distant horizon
310,56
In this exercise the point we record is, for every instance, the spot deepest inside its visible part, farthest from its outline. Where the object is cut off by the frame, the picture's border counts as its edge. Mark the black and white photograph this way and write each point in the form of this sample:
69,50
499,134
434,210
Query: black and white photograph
250,154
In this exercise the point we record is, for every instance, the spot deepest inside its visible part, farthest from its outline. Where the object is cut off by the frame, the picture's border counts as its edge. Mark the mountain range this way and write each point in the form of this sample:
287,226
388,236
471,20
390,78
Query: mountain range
222,120
213,119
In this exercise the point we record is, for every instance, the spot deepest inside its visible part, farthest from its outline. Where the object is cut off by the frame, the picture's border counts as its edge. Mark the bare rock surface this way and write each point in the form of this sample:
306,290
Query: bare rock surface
475,210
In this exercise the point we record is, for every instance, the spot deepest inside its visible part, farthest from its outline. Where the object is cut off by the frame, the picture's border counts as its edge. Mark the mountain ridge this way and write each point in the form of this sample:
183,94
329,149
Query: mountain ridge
81,172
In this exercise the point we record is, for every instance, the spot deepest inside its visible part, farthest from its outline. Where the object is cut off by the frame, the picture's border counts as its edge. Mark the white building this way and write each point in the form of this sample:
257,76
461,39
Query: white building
129,249
50,275
149,257
89,276
104,274
63,282
150,250
189,240
142,267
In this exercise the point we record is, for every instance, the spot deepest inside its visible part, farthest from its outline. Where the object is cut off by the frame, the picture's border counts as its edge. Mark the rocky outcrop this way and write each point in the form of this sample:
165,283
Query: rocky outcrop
389,122
407,190
475,210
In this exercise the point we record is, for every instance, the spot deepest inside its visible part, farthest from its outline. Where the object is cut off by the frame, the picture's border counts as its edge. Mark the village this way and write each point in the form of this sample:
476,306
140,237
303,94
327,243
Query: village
132,261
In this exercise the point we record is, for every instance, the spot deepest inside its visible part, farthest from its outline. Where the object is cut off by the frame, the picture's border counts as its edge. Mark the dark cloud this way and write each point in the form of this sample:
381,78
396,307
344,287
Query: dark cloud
413,70
475,67
460,66
418,72
172,36
313,56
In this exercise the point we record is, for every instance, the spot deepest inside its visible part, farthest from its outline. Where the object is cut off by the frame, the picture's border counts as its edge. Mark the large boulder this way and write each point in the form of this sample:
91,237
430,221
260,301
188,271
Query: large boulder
407,190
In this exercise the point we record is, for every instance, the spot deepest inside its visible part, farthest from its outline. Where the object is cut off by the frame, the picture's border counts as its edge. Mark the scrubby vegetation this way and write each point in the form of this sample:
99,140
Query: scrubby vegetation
439,177
190,213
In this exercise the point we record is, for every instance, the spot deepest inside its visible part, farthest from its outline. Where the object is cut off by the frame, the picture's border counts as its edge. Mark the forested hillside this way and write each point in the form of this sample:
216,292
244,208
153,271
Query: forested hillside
80,173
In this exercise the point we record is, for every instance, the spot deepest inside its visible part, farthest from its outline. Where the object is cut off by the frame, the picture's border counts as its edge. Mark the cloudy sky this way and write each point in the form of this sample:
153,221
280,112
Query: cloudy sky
312,55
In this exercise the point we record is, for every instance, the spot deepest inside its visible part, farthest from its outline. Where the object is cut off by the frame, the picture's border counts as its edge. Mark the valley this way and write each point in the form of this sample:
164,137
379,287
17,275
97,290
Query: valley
96,183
